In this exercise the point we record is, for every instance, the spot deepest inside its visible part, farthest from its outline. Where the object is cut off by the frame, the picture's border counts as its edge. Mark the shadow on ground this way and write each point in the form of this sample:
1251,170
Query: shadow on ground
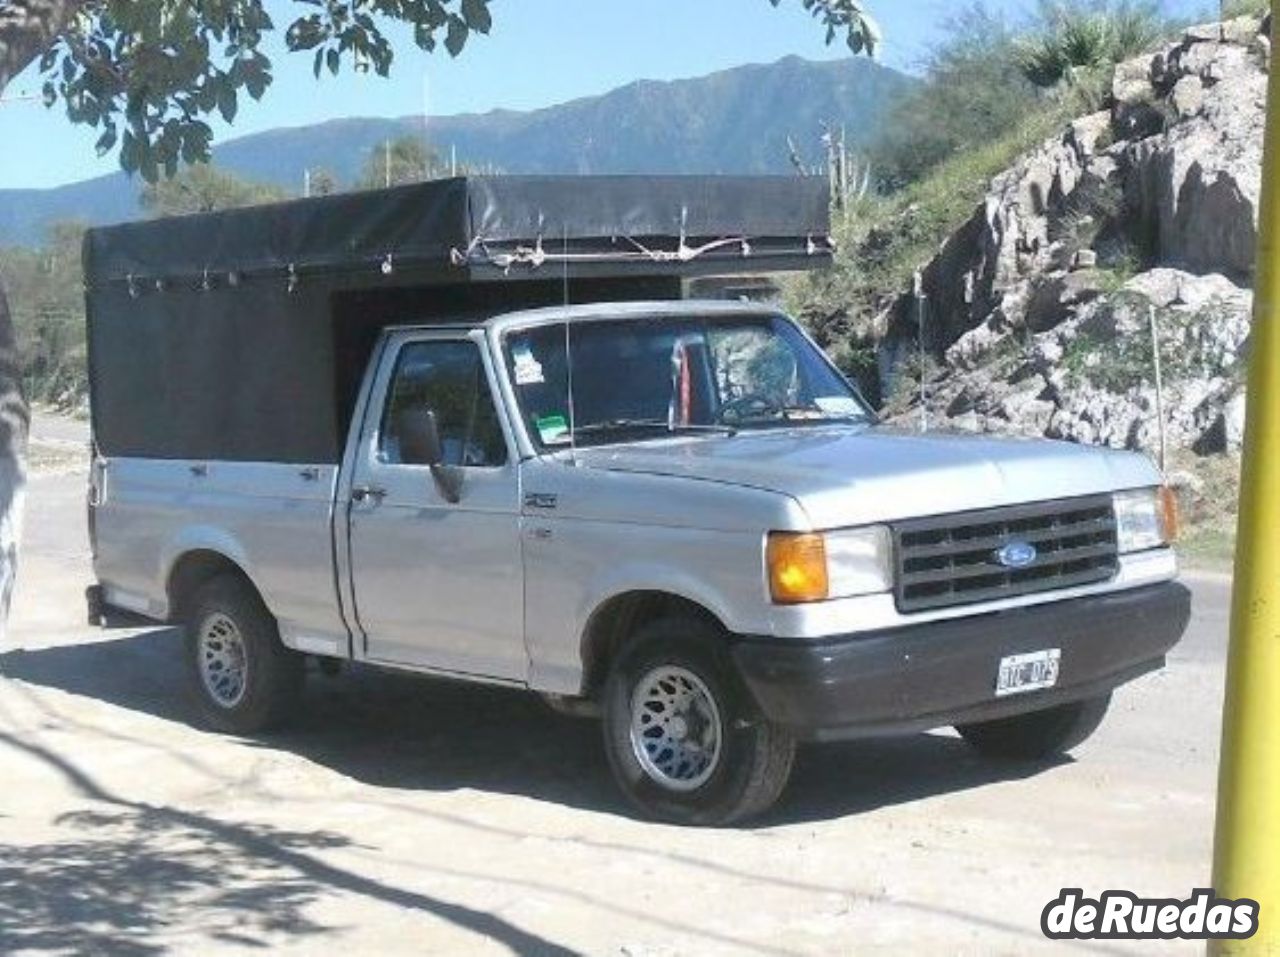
133,873
137,871
404,732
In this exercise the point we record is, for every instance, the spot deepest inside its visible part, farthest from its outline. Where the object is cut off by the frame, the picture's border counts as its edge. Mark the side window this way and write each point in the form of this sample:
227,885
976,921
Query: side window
446,377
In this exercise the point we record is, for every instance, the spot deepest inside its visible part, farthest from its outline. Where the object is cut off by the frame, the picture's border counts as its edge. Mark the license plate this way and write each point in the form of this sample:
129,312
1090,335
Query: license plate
1035,671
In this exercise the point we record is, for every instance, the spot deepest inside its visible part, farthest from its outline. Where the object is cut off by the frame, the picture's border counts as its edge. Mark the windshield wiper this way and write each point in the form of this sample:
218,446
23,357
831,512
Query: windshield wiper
622,425
805,422
826,419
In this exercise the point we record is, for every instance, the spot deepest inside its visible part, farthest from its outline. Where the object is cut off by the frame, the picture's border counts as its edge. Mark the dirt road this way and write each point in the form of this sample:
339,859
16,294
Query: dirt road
402,816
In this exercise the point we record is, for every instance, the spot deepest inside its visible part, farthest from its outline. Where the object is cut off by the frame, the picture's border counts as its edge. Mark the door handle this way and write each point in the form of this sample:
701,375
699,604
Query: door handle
365,493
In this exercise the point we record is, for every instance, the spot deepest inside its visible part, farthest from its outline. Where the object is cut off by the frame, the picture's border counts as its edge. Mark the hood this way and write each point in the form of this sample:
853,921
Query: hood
855,475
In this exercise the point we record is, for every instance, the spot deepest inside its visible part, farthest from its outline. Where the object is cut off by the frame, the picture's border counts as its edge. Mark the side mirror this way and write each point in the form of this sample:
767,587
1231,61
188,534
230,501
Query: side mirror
419,438
420,445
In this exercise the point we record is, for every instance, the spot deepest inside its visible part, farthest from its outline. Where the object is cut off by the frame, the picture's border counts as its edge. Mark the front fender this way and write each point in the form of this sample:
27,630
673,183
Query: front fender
651,577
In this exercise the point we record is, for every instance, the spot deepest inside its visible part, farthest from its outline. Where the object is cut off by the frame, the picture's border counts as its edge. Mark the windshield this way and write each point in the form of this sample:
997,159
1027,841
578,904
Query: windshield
650,377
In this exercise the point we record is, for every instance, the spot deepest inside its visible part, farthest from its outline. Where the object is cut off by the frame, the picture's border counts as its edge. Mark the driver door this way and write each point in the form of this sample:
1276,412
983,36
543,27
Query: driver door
439,584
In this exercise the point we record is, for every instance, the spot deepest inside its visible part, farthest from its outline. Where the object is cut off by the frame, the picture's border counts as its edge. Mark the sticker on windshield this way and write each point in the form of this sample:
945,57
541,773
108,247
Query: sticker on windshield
837,405
553,429
528,370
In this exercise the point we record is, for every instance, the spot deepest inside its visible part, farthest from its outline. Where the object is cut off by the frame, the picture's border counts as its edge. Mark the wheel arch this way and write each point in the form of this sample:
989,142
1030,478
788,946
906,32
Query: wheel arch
616,619
194,568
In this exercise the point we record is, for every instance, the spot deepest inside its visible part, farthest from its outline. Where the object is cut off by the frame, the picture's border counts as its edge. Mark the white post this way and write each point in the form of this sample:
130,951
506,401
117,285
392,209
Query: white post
921,300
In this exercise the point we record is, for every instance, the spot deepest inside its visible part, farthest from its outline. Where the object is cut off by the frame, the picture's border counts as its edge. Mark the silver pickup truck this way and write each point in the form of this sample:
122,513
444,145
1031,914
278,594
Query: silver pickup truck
676,515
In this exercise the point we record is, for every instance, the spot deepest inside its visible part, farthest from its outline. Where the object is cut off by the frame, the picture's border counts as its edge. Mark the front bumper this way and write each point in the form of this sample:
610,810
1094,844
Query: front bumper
917,677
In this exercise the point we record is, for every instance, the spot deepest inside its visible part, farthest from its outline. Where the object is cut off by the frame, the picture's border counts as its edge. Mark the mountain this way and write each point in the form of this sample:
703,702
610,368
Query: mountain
734,121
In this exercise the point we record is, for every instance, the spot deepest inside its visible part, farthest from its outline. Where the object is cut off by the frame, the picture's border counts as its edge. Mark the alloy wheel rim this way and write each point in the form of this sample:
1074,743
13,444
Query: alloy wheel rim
676,731
224,665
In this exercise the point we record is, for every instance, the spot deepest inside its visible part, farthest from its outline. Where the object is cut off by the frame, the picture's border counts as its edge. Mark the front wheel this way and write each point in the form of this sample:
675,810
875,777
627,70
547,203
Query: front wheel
1040,734
682,736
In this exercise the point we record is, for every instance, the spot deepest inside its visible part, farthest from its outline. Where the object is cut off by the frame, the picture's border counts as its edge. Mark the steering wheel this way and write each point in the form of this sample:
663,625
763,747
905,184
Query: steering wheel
750,405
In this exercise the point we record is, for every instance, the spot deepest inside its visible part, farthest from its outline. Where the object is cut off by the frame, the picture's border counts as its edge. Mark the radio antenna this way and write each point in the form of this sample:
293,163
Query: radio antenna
568,348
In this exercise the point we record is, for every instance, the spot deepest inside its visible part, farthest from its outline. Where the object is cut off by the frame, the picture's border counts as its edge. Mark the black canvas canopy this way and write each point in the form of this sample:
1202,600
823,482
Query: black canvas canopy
242,334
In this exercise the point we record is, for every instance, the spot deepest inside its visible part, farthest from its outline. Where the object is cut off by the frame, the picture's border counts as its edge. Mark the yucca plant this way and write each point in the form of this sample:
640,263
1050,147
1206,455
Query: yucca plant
1041,61
1135,30
1074,38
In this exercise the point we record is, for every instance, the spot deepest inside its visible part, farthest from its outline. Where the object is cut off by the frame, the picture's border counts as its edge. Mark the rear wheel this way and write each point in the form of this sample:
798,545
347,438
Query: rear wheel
244,679
682,736
1040,734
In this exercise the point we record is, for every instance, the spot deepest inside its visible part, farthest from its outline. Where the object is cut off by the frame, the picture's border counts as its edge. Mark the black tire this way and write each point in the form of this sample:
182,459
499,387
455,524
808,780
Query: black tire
272,675
753,760
1040,734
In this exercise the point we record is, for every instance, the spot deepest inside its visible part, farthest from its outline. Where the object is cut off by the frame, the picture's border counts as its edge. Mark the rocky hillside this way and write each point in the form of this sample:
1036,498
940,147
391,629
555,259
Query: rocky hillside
1040,308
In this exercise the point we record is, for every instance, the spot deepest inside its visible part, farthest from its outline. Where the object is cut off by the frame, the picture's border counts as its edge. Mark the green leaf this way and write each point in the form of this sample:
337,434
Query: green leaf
476,13
334,59
147,165
106,141
456,38
129,157
227,101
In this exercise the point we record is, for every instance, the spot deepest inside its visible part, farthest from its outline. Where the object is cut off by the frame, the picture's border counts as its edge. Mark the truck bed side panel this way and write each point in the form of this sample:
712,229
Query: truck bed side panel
271,520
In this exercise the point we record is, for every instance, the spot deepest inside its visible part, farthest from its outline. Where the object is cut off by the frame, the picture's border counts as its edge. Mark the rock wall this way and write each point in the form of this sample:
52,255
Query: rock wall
1040,308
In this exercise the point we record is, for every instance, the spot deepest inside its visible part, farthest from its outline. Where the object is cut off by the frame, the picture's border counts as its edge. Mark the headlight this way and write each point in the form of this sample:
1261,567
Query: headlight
1146,518
814,566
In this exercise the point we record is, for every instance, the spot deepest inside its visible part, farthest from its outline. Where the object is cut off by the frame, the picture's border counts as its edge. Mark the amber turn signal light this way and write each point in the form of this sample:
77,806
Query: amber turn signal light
797,563
1170,519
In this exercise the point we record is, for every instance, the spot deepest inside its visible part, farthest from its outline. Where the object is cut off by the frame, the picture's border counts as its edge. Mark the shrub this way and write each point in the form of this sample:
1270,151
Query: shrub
46,294
1074,40
973,91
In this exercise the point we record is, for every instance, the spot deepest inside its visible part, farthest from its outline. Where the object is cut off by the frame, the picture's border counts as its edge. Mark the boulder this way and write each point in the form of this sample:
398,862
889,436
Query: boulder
1197,184
1025,318
1187,96
974,347
1238,30
1086,133
1085,259
1058,297
1233,421
1221,421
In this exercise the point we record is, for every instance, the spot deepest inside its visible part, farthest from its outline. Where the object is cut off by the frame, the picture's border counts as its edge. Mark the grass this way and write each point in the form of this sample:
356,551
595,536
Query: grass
883,240
930,210
1208,502
1208,549
1248,8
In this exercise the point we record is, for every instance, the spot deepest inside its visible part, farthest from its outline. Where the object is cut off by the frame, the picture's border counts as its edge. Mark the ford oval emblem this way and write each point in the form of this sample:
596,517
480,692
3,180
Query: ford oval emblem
1016,555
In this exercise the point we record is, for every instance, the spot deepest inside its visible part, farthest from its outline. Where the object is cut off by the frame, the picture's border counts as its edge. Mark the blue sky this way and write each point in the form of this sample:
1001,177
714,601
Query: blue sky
540,52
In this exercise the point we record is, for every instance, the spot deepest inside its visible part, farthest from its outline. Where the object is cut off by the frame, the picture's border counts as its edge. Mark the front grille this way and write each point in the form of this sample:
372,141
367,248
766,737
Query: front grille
951,559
